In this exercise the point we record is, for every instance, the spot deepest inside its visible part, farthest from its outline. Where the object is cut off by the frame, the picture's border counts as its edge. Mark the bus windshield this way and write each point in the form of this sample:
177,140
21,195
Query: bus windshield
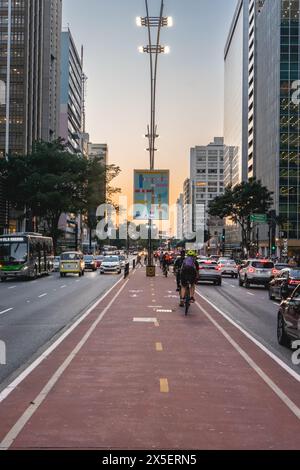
13,253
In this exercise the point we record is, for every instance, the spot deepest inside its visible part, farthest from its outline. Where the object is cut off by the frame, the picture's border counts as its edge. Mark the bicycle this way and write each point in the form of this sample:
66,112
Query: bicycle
165,271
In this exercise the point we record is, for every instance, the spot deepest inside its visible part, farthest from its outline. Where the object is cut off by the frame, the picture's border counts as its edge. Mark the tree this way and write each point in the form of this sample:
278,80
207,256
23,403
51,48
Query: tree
239,203
51,181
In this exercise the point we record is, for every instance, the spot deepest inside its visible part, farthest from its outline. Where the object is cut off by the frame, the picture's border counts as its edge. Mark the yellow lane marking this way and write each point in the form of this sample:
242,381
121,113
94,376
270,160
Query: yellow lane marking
159,347
164,386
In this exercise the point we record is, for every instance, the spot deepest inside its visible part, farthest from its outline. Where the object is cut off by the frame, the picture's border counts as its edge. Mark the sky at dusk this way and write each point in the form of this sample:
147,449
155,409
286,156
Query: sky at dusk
190,81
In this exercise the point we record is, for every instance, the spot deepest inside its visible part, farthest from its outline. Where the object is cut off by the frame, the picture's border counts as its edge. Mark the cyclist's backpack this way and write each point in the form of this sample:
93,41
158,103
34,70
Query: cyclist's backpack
188,263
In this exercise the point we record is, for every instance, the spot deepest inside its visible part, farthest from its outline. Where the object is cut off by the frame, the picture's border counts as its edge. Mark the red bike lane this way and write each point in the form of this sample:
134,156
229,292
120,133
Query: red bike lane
138,374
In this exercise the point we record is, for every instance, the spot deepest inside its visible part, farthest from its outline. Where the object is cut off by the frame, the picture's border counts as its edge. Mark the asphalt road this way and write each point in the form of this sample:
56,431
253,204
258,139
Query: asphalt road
32,314
252,310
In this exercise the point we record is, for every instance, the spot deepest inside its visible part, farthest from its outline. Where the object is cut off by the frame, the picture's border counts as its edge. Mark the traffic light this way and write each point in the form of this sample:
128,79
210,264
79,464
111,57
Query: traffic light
224,236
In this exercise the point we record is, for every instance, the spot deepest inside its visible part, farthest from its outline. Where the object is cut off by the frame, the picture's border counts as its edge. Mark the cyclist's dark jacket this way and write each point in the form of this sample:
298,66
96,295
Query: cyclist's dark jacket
189,274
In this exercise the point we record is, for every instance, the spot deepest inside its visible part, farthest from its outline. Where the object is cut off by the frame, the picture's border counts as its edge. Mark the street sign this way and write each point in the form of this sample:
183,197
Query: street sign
259,218
151,195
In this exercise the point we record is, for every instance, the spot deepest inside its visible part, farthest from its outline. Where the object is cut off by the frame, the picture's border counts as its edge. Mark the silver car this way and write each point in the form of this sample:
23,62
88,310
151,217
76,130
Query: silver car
228,267
209,271
111,264
257,272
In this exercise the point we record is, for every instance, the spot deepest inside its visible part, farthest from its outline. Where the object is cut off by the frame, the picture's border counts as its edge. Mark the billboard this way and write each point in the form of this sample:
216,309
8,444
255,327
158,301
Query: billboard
151,194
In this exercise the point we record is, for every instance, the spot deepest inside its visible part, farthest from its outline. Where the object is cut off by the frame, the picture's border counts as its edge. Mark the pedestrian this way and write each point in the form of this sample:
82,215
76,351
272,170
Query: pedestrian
146,260
139,260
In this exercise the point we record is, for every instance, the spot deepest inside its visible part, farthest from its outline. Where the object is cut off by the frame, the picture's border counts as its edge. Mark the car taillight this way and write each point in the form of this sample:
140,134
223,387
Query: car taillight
293,282
218,268
251,270
274,271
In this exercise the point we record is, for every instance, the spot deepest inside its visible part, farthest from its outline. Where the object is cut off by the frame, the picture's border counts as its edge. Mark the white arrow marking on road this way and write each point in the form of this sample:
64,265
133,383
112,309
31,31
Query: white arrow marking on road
6,311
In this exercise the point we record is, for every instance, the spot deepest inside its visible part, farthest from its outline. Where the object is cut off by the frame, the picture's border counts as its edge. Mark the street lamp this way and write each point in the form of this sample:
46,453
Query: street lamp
154,49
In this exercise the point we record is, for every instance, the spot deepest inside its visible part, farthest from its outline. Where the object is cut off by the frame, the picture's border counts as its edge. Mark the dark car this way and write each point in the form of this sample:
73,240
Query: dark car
288,321
209,271
90,263
284,283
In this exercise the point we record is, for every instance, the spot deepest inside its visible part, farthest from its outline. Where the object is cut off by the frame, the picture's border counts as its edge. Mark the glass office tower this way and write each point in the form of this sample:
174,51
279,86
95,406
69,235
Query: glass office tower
277,113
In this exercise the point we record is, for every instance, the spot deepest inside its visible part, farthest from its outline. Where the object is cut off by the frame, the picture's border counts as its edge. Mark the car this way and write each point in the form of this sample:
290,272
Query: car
228,267
56,263
111,264
90,263
284,283
71,262
257,272
279,267
288,319
99,260
209,271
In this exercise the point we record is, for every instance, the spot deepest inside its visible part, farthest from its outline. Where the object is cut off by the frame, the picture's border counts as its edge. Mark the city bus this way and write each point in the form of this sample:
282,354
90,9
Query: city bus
25,255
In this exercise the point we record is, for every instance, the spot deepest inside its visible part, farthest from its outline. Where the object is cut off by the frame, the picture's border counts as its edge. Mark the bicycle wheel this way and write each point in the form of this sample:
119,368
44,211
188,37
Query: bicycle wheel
187,300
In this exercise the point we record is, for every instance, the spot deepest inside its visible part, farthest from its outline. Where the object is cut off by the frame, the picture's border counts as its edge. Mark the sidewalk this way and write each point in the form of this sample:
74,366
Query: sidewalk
122,380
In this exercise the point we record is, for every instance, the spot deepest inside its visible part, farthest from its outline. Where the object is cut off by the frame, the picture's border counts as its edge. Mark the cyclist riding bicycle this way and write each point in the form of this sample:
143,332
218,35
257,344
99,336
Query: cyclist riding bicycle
188,276
177,269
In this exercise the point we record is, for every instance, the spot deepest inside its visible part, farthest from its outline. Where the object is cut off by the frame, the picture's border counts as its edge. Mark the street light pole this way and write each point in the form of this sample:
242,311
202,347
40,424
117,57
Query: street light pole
153,49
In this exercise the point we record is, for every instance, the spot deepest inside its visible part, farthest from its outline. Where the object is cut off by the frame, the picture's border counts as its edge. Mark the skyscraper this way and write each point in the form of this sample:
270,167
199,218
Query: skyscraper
206,180
277,128
236,105
34,75
71,93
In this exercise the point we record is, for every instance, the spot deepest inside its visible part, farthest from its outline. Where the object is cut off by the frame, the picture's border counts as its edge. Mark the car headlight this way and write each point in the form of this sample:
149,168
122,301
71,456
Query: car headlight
25,268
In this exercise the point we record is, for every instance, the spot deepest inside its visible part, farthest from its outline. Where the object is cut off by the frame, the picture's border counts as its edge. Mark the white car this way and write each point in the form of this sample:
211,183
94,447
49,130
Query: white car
258,272
228,267
111,264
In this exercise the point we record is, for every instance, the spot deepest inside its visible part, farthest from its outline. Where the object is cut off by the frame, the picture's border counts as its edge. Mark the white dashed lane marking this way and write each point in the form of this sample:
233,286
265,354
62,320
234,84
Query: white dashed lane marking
6,311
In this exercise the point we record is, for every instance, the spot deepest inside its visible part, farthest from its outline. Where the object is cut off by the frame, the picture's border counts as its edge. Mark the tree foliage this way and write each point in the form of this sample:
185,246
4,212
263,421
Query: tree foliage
239,203
51,181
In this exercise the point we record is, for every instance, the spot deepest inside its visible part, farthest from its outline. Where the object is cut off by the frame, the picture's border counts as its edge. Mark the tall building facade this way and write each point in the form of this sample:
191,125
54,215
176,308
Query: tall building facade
236,95
71,101
34,75
99,151
206,180
277,129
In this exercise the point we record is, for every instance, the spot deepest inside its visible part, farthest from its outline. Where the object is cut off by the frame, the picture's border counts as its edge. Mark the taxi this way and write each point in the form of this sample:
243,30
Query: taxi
72,262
